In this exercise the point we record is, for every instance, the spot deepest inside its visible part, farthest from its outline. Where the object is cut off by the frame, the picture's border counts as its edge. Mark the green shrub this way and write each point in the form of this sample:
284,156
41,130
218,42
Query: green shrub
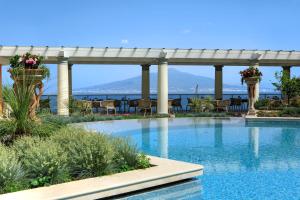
22,145
126,154
262,104
45,162
290,112
267,113
11,172
89,154
295,102
7,130
143,161
44,129
202,105
71,153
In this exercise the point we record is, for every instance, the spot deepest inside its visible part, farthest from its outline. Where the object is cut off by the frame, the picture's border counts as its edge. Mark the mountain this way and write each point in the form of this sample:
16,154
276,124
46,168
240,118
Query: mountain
179,82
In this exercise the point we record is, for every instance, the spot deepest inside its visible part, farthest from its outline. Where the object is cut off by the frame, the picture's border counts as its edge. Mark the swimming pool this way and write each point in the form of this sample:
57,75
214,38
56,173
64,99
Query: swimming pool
241,160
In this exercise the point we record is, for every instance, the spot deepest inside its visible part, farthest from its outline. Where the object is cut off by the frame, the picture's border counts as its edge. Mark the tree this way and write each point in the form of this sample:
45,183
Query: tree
289,87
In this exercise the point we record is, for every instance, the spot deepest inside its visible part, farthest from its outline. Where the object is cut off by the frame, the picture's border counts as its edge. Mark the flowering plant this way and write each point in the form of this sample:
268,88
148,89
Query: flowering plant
28,61
251,72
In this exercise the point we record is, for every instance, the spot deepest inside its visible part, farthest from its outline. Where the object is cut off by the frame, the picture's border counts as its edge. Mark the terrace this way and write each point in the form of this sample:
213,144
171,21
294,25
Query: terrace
95,158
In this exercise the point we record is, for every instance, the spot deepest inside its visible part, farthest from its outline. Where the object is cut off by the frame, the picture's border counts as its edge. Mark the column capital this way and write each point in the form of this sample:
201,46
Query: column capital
218,67
145,66
162,61
287,67
62,59
162,58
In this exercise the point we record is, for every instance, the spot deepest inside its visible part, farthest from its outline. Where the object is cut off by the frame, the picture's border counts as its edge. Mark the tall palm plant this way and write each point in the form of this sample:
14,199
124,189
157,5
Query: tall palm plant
19,98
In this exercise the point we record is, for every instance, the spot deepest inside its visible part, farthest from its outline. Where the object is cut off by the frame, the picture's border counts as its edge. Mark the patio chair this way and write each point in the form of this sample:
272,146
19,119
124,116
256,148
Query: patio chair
189,104
108,105
96,105
222,105
236,103
176,103
154,104
132,104
145,105
84,106
118,104
170,107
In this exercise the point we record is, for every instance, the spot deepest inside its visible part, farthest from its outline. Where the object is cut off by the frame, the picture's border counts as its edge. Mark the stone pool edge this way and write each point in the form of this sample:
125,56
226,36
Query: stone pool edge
254,118
164,171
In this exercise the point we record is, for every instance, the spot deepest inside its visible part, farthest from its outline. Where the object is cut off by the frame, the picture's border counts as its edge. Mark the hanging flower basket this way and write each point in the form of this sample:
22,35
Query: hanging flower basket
27,70
250,73
21,74
252,80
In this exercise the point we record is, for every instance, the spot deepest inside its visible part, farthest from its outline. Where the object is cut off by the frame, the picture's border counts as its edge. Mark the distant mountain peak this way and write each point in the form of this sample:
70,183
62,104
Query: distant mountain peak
179,82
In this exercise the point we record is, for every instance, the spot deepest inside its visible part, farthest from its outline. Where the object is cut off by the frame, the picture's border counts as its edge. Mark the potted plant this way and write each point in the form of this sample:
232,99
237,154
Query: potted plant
251,76
28,71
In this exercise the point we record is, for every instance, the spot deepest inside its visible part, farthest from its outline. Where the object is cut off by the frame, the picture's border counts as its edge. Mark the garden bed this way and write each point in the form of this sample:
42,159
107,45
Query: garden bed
66,155
285,112
93,117
163,171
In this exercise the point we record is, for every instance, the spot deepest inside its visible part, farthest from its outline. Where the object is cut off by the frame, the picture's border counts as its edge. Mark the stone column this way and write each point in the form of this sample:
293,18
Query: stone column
218,82
162,88
70,80
63,87
163,131
256,97
145,81
287,70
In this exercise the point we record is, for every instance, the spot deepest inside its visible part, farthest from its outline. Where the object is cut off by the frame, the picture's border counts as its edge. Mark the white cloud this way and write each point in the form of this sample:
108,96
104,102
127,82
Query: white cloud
124,41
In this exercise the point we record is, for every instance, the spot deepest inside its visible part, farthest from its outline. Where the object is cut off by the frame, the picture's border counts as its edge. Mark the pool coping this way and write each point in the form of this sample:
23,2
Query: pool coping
162,172
254,118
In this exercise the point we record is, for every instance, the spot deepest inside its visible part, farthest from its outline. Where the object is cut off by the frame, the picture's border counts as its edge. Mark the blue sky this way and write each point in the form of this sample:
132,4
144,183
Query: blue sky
234,24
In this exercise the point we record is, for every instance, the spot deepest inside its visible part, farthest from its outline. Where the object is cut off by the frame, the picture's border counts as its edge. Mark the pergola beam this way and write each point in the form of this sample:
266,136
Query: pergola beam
93,55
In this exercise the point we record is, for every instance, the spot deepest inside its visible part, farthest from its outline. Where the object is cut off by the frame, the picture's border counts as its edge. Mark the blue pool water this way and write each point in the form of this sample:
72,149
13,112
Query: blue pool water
241,160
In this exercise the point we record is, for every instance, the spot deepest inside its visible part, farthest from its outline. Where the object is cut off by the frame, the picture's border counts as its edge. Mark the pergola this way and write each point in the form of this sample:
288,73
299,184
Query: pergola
65,57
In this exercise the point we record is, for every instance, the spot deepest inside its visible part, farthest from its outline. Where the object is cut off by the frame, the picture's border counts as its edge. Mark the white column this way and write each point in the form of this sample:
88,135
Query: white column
163,131
145,81
62,88
218,82
70,80
162,88
256,65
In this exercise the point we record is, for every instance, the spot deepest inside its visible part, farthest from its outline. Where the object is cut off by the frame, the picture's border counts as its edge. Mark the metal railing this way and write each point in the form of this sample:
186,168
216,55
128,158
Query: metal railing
183,96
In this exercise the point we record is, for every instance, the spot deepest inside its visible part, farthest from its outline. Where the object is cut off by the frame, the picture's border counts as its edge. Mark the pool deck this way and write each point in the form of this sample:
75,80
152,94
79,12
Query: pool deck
162,172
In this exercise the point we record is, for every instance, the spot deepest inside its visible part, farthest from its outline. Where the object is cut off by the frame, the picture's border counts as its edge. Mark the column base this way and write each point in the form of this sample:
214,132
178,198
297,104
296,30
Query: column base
251,112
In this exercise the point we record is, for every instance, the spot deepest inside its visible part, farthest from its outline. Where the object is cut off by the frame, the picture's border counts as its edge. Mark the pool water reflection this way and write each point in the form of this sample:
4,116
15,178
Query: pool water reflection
241,160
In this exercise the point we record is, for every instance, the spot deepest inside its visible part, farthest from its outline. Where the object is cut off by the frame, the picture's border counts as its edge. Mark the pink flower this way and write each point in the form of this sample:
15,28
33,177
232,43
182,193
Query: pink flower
30,61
